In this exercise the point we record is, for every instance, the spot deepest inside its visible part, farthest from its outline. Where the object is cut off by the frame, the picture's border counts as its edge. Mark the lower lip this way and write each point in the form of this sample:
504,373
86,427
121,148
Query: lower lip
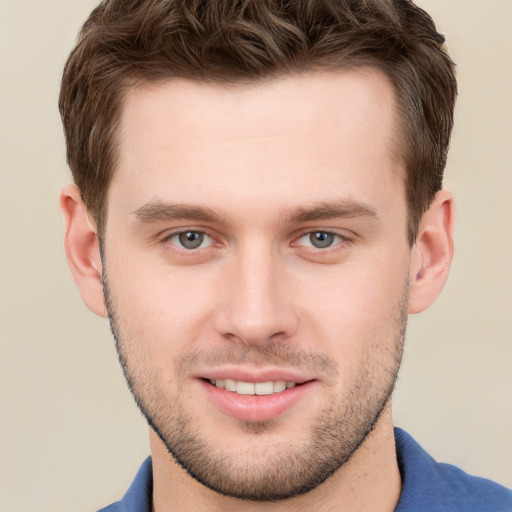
256,407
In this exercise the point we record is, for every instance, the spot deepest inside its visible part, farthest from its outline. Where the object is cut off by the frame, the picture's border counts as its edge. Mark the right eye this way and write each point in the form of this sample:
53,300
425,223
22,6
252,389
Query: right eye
190,240
320,239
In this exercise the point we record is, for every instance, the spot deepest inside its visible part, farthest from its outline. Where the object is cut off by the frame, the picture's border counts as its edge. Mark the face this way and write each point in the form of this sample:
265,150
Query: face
256,273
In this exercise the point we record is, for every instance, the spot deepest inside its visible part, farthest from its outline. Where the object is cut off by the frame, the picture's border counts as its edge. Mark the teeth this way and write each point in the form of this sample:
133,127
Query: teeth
251,388
264,388
279,386
244,388
230,385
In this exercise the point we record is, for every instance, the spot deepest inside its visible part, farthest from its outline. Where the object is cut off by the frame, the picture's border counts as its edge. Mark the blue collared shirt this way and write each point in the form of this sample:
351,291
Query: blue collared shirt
427,486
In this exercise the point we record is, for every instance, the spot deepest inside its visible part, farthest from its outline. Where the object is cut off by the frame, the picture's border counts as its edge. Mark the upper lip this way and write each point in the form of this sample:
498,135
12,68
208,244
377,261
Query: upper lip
255,374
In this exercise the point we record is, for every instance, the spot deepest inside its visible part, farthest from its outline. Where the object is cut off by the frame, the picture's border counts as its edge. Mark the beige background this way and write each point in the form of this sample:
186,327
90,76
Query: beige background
71,438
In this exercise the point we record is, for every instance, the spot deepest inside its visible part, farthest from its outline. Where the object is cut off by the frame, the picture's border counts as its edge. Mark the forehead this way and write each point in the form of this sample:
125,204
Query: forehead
302,134
325,98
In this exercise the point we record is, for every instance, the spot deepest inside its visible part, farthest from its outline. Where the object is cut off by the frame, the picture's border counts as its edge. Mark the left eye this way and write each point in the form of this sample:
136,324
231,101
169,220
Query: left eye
191,240
320,239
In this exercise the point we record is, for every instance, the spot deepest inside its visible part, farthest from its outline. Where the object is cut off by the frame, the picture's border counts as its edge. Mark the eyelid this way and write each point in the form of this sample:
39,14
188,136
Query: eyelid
343,237
174,234
336,240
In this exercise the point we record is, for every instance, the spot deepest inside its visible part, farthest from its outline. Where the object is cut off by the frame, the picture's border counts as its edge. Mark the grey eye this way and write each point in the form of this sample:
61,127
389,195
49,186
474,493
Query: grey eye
321,239
191,239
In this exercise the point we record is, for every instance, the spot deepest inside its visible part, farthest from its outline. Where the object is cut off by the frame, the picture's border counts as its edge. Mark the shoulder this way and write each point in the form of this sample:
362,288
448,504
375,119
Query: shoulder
429,485
114,507
138,496
479,494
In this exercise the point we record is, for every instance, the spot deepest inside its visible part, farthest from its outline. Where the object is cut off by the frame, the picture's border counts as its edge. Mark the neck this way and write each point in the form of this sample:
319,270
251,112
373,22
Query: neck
370,480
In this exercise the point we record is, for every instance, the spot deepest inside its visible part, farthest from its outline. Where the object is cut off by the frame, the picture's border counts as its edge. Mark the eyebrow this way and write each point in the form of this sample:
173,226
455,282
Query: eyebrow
158,211
344,208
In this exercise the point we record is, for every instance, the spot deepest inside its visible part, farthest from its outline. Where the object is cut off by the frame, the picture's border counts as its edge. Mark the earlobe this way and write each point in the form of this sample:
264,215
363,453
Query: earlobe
82,249
432,253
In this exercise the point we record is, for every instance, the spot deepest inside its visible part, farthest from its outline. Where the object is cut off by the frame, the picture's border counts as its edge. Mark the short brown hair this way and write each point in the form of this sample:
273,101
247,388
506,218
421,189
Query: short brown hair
127,42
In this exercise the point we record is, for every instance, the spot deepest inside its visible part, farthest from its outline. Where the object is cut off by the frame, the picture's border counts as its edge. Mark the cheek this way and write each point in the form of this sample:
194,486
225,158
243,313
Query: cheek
159,303
355,306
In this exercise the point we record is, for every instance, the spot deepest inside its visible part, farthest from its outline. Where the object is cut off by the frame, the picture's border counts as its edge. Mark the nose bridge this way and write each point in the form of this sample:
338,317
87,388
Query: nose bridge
257,307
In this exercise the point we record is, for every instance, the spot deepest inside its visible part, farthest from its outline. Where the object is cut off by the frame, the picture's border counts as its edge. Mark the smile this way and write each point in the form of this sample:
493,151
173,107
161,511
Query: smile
250,400
253,388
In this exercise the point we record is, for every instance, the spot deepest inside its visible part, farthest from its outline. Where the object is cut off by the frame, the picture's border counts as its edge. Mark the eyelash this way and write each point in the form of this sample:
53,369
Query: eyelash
342,240
168,239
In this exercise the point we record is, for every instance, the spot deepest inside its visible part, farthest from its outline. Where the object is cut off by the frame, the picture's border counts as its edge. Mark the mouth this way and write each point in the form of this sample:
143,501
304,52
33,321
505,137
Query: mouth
256,401
253,388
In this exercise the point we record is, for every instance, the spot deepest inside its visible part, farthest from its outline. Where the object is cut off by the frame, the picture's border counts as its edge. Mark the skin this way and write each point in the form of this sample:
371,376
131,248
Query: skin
259,168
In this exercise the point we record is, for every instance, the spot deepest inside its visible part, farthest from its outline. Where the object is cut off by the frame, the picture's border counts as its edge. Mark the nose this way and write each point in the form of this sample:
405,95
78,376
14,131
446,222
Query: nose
257,305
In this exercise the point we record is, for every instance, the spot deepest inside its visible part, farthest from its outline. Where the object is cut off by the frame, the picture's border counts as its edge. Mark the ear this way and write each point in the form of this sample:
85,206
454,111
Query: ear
432,253
82,249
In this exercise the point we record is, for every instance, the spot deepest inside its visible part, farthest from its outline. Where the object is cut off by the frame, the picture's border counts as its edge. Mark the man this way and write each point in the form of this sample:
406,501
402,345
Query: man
257,207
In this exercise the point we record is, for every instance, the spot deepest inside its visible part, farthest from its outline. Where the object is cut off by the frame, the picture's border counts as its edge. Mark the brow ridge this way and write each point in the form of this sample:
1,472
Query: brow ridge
159,211
344,208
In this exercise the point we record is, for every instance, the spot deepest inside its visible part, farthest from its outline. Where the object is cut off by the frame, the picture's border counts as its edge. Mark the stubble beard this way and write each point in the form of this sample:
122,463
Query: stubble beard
268,474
